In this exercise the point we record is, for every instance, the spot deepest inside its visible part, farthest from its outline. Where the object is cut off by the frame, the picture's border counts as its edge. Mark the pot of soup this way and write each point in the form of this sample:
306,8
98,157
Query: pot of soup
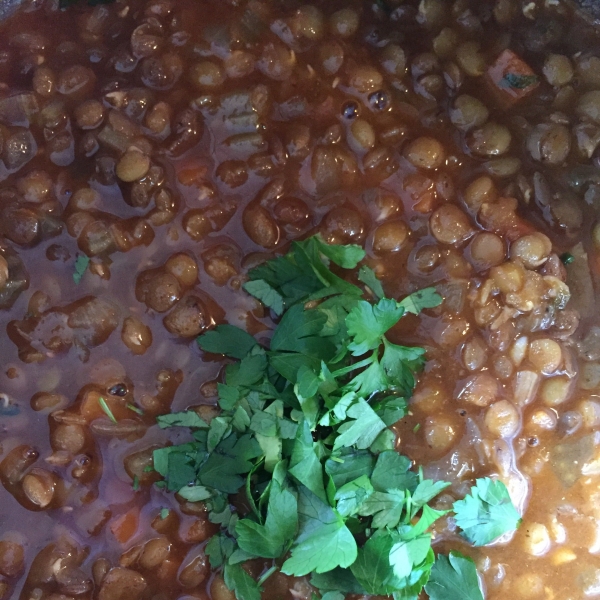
299,300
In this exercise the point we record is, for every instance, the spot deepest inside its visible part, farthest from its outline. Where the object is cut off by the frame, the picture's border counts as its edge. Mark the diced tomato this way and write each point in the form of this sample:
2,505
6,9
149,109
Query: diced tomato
125,526
510,79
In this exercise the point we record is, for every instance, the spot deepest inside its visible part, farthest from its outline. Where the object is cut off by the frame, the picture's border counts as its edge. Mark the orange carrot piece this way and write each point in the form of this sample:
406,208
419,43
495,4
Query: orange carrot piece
125,526
192,175
510,79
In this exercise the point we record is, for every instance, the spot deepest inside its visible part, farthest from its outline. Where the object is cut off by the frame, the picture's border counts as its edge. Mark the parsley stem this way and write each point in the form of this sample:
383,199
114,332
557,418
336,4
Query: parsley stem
361,363
104,406
249,490
134,408
266,575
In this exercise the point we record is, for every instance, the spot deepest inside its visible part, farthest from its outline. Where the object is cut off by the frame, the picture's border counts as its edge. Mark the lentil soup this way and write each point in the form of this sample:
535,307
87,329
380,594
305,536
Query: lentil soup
153,152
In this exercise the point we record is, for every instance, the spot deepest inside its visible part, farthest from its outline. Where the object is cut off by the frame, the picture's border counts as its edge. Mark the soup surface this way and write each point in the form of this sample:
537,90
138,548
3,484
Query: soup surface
153,152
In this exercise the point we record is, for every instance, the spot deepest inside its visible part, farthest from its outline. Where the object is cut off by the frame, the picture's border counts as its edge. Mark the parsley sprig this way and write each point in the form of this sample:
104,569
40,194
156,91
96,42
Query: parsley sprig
303,436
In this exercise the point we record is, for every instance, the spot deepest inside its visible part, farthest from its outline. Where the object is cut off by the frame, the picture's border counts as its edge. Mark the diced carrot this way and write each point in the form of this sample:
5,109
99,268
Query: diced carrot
192,175
510,79
125,526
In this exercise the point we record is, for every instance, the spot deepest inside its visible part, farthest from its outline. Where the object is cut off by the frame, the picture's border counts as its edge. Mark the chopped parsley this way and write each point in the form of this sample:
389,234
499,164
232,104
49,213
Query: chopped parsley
136,483
567,258
81,265
304,433
517,81
164,513
453,577
106,409
486,513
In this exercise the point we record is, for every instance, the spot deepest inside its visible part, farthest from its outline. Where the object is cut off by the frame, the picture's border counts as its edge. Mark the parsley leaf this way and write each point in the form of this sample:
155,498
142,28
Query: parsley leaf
385,507
350,465
81,266
219,548
367,323
362,430
399,364
195,493
305,465
227,339
425,491
351,496
367,276
420,300
486,513
270,297
239,581
181,419
392,472
372,568
324,542
346,257
453,577
298,332
281,525
337,579
231,458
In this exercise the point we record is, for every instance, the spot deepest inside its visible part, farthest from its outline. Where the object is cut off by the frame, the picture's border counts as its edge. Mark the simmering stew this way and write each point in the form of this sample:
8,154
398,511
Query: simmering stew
156,156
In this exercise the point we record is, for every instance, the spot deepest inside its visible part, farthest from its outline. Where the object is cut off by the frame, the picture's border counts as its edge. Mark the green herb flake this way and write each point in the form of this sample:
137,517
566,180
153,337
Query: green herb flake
136,483
135,409
104,406
567,258
164,513
81,265
367,276
517,81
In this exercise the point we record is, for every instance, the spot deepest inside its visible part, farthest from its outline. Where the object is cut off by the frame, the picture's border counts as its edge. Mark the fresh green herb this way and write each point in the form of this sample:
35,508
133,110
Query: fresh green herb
106,409
266,575
518,82
304,435
136,483
567,258
134,408
453,577
367,276
416,427
229,340
164,513
486,513
81,265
